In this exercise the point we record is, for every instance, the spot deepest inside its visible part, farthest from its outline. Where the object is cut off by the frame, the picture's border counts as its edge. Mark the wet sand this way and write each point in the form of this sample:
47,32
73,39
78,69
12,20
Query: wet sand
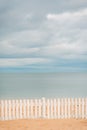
44,124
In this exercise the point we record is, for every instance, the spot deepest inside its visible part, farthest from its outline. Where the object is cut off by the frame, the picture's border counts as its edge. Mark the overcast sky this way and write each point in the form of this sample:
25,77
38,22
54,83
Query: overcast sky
43,35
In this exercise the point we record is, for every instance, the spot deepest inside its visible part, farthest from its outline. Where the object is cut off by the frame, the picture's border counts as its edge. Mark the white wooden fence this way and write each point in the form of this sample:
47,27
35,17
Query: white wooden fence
43,108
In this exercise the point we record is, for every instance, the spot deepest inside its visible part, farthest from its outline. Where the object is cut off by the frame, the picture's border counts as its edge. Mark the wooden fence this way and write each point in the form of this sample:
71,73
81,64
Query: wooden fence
43,108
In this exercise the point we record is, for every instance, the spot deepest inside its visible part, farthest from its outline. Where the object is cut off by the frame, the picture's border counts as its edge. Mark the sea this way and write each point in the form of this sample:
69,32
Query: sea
38,85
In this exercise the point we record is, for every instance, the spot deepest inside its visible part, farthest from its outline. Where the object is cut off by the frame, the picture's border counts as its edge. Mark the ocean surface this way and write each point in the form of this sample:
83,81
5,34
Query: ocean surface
37,85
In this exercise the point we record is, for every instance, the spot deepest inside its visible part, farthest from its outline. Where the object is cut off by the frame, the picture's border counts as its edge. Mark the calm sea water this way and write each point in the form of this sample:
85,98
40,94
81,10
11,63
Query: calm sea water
37,85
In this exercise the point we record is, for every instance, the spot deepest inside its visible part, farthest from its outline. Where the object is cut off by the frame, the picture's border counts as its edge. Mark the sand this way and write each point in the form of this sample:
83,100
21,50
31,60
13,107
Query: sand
44,124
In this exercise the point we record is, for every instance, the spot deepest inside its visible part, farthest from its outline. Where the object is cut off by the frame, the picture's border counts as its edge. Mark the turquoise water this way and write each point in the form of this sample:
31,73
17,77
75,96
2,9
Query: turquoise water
37,85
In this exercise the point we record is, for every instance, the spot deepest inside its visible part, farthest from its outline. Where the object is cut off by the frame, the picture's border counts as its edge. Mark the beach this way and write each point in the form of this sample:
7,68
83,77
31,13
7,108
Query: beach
44,124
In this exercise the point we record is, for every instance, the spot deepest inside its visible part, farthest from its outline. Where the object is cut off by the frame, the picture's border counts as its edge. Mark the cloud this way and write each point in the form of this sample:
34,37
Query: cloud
68,20
20,15
63,33
68,34
32,34
23,44
68,16
18,62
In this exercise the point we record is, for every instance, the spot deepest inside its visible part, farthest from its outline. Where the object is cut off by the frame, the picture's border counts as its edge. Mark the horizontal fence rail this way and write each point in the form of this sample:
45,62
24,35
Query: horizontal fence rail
43,108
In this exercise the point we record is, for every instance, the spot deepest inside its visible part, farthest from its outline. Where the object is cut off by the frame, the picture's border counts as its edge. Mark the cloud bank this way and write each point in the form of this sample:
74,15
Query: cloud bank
57,38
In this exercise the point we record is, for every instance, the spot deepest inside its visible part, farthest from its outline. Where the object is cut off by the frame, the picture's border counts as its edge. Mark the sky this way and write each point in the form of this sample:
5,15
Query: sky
43,36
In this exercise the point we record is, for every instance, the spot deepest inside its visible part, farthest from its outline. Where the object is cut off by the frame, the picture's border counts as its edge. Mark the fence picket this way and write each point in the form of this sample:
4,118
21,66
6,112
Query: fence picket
86,108
2,110
43,108
6,110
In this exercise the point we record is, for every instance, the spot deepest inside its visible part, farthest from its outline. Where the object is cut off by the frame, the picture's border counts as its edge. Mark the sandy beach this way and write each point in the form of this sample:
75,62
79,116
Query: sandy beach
44,124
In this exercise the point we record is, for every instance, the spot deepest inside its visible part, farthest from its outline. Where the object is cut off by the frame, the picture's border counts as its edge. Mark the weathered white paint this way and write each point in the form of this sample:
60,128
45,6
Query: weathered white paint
79,107
76,107
62,108
20,105
6,110
54,108
59,108
43,108
48,108
51,105
68,108
35,108
24,107
9,109
31,106
27,107
2,110
13,109
17,113
86,108
65,115
82,107
39,115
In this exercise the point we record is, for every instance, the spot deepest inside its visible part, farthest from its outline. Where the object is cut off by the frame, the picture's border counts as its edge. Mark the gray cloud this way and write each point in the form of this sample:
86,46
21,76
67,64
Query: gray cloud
50,30
13,13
